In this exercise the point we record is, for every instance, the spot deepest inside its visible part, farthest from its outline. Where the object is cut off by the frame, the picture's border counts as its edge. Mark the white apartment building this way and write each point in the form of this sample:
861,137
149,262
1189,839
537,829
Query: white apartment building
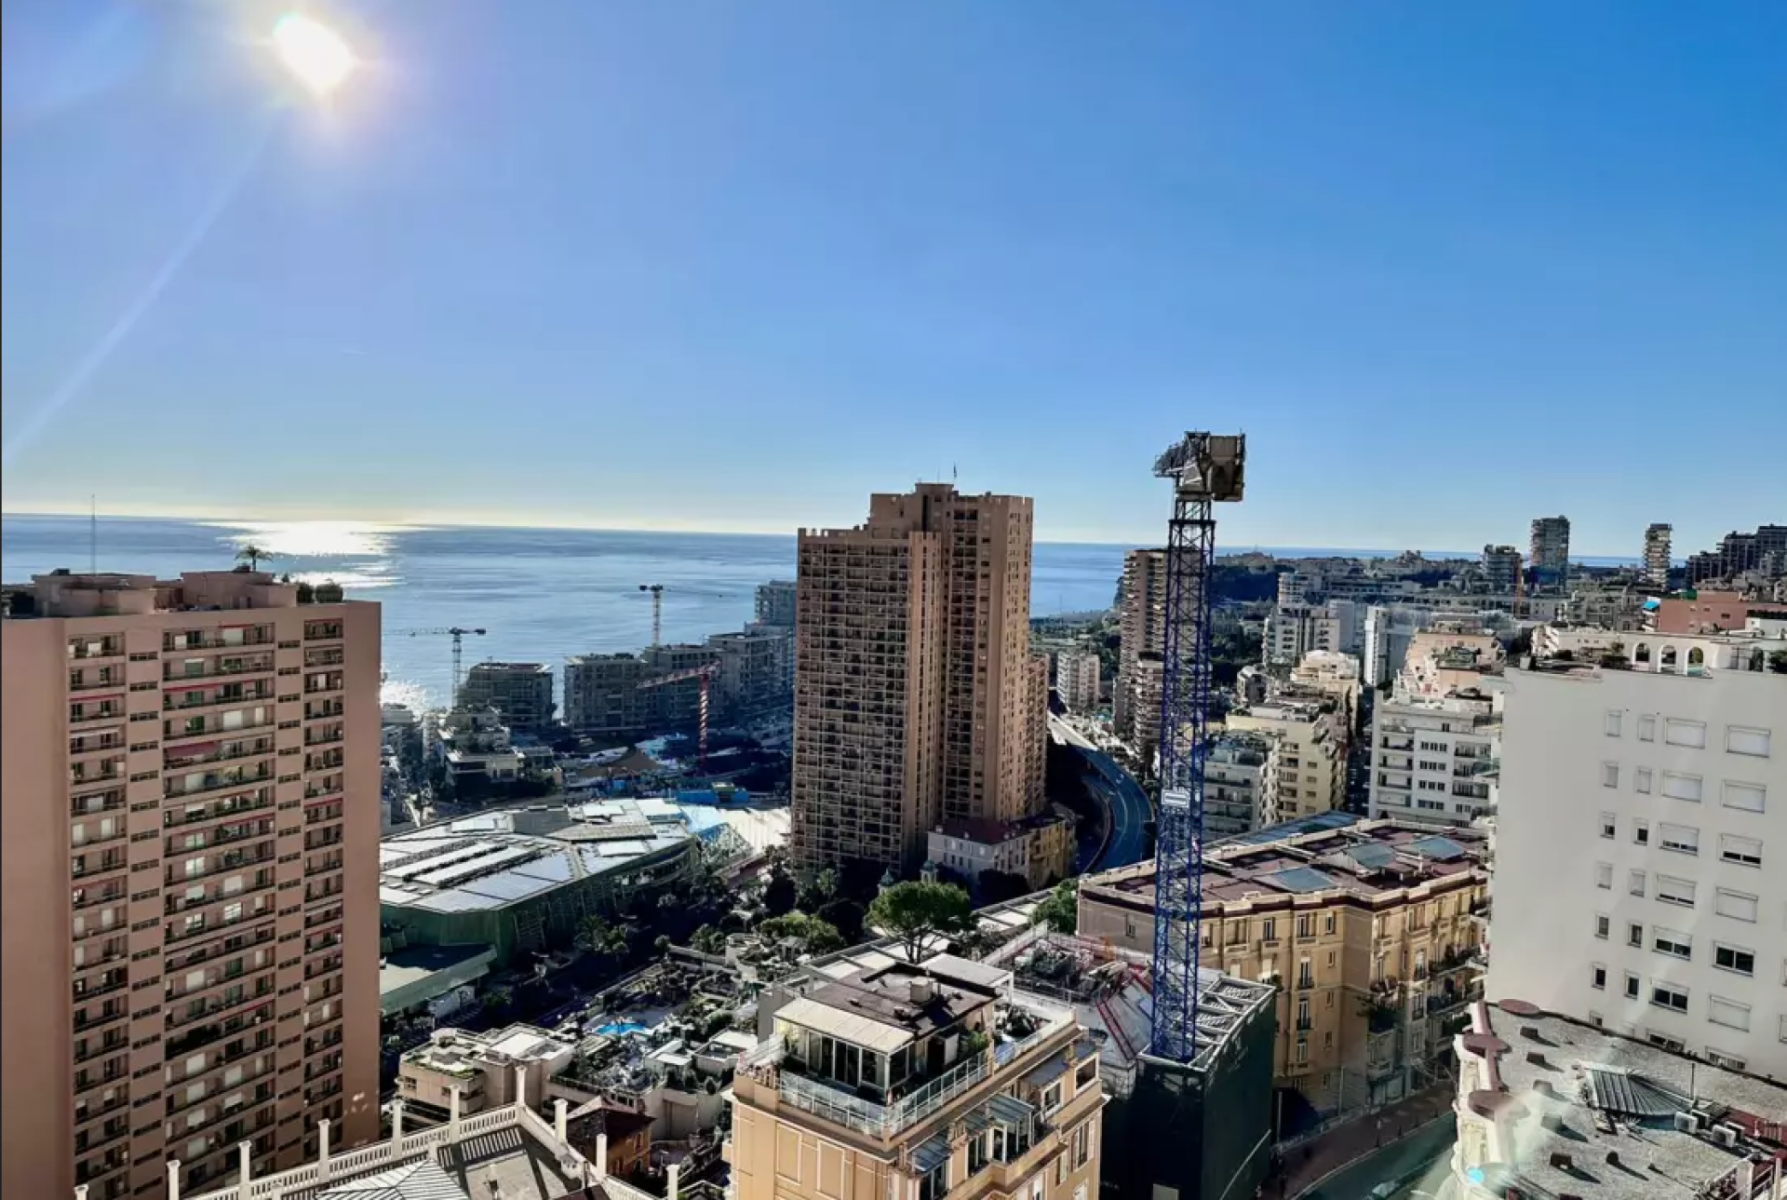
1435,758
1306,771
1641,850
1234,784
1076,678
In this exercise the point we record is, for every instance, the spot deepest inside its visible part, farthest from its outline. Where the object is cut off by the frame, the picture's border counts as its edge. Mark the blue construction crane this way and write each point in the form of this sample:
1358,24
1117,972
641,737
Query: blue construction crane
1204,469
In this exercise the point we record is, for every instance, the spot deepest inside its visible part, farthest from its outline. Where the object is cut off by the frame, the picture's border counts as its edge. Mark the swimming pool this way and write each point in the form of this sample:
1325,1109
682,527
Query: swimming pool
617,1028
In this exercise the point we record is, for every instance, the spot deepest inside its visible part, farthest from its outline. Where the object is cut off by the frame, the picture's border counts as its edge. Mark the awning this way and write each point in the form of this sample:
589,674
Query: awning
845,1026
930,1154
1010,1111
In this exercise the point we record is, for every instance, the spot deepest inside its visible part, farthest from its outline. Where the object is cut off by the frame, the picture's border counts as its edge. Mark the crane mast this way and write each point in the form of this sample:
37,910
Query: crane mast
1204,469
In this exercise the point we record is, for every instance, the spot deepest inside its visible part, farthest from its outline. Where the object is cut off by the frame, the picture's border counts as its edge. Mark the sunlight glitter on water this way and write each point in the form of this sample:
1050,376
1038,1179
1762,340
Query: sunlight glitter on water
316,539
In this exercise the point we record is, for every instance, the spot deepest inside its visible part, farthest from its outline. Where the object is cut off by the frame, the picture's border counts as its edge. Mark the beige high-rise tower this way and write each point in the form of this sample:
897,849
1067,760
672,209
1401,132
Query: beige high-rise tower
917,702
190,774
1135,697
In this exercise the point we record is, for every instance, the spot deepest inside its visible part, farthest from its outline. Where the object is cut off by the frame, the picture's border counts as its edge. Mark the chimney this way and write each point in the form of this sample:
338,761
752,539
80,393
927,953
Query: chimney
922,990
1561,1161
173,1179
1613,1158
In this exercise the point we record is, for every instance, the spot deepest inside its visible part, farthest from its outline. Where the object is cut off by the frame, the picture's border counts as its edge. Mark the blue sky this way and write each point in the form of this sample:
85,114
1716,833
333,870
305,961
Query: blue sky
733,265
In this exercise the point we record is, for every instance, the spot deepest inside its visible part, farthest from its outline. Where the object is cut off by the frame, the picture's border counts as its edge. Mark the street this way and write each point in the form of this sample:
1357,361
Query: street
1419,1161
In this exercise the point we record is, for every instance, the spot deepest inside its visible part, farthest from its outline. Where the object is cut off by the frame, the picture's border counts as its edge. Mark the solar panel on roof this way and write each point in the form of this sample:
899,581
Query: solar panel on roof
1300,879
1370,856
1443,849
555,868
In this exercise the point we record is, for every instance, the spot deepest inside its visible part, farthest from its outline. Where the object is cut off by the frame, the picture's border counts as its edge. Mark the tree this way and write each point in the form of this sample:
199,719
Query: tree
251,555
1060,909
913,913
996,887
813,935
1777,662
844,915
781,893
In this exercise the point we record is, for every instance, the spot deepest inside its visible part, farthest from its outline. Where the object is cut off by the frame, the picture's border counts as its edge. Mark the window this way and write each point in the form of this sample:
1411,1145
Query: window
1647,724
1631,986
1082,1145
1641,780
1598,977
1635,882
1683,839
1684,733
1736,905
1663,1041
1641,831
1610,775
1721,1011
1634,934
1601,926
1741,740
1614,717
1733,958
1748,797
1745,852
1681,787
1607,825
1670,996
1269,930
1604,875
1671,890
935,1182
1668,941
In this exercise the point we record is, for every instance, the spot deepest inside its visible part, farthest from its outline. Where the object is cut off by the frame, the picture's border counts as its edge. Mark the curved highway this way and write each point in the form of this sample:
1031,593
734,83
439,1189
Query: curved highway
1126,805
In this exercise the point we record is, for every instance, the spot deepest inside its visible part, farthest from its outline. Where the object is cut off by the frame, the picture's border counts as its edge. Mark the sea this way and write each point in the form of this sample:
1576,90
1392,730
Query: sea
539,595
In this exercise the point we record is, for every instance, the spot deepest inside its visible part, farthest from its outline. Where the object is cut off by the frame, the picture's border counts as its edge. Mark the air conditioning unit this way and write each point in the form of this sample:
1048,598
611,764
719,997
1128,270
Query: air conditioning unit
1687,1123
1726,1135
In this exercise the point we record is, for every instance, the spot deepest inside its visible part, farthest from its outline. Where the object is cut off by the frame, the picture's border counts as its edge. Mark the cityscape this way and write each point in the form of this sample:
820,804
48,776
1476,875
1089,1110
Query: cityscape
484,715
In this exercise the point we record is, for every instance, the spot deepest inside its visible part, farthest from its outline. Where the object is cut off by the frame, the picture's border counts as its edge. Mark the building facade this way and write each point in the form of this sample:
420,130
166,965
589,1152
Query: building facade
1367,927
1548,549
1135,697
754,676
1306,772
1655,561
521,693
191,775
1640,818
1077,679
1501,567
917,700
775,604
886,1082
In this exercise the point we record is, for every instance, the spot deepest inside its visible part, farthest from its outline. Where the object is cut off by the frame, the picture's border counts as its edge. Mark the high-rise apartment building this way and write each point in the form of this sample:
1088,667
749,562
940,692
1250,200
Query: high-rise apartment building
1656,555
521,693
775,603
1135,697
1549,549
1501,567
191,799
1640,834
917,701
1436,739
1077,678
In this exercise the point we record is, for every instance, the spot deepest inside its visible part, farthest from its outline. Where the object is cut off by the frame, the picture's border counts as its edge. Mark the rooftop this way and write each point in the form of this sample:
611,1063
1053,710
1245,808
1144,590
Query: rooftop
501,858
459,1052
1328,852
1582,1112
69,594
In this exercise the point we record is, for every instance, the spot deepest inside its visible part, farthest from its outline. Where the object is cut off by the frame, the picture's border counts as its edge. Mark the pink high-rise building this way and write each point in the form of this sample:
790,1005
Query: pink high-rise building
191,773
918,703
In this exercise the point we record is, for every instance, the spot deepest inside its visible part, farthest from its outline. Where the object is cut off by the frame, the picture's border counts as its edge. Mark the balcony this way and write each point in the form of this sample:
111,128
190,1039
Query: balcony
203,1035
260,664
213,781
200,696
217,639
201,753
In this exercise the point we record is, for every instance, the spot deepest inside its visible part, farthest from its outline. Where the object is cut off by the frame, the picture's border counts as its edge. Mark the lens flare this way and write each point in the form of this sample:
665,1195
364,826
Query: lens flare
313,52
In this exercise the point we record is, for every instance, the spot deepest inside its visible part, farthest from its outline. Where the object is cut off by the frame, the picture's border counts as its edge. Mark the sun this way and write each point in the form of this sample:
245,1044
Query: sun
313,52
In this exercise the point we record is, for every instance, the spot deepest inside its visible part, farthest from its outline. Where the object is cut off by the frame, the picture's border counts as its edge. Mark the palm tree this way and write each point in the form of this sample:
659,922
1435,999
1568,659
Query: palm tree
252,554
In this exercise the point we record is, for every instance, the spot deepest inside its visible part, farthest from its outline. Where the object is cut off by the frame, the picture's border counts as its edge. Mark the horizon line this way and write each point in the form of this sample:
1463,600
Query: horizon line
372,524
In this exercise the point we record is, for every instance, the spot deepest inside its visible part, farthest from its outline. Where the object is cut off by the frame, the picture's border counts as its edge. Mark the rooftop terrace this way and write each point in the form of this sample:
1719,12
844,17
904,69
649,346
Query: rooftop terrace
1325,853
1552,1108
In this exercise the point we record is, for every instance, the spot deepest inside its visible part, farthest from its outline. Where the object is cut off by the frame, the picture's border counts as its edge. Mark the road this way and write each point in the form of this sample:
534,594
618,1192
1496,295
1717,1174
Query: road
1125,804
1418,1162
